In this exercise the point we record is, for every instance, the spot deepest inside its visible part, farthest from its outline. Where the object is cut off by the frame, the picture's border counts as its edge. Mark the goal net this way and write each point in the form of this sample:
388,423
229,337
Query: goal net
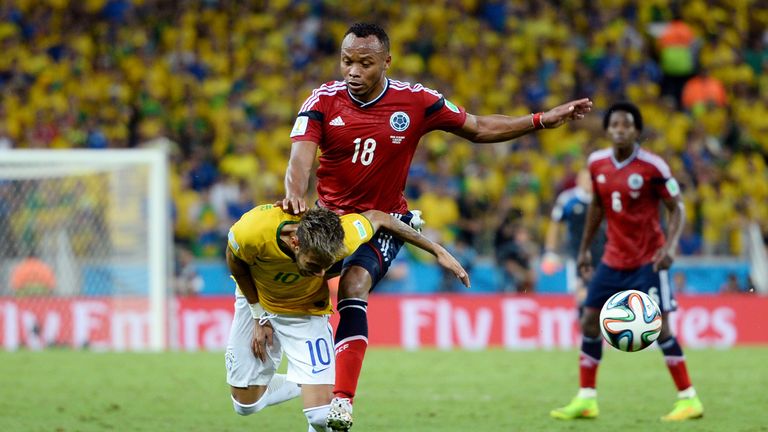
84,249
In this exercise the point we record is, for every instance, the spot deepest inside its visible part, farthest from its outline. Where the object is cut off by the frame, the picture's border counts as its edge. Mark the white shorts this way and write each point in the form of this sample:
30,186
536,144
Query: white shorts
307,341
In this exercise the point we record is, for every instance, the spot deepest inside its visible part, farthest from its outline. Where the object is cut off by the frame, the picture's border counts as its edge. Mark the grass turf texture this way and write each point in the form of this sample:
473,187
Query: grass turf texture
404,391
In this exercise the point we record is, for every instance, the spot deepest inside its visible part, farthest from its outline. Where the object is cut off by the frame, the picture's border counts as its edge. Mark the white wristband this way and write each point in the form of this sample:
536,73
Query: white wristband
256,310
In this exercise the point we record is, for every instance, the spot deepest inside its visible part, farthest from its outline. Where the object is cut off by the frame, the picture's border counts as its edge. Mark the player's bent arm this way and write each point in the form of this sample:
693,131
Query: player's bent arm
498,128
406,233
240,270
297,175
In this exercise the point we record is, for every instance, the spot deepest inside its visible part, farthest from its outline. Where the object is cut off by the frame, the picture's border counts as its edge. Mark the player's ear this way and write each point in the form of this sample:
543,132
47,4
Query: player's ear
387,62
294,242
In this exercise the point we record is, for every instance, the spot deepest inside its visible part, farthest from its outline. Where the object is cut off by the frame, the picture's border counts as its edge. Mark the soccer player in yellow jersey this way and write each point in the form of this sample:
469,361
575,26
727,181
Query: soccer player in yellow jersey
281,262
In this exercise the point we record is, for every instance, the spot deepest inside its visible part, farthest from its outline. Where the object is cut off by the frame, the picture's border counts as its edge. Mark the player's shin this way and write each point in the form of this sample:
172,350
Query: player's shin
350,345
673,356
589,360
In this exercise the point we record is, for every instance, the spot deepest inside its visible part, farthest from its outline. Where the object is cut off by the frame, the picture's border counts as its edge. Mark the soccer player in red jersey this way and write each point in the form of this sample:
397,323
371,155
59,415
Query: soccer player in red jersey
629,185
367,128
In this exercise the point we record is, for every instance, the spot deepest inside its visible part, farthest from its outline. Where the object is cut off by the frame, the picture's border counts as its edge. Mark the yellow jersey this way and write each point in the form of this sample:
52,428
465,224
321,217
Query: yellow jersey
255,239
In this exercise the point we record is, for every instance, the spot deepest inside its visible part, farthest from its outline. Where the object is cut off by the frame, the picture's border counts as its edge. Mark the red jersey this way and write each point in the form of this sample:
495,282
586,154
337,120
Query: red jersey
366,148
631,192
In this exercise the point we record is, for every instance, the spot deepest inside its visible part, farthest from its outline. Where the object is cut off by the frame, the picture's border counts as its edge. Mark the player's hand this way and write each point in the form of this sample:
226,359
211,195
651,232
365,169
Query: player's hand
446,260
584,263
262,339
290,204
561,114
551,263
662,259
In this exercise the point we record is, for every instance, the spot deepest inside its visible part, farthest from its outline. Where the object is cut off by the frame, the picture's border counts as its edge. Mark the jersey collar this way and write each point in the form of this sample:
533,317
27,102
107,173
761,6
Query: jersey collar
622,164
362,104
284,248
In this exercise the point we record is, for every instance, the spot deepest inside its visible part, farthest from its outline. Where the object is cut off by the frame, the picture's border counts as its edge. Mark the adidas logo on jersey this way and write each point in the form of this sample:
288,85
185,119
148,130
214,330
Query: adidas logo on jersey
337,122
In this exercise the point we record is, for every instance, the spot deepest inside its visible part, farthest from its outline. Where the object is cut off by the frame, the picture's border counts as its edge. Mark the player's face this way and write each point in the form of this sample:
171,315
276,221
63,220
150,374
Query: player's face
309,266
622,130
363,64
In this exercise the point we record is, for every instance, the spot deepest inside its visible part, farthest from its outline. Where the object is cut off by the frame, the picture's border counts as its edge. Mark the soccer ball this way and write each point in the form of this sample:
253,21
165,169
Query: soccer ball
630,320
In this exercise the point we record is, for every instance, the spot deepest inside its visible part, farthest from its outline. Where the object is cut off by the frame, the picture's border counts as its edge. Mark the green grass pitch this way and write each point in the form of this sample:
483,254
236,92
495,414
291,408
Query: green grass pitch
405,391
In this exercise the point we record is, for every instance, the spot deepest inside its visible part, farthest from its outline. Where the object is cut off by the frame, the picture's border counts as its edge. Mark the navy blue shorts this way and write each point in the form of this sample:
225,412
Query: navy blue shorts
607,281
377,255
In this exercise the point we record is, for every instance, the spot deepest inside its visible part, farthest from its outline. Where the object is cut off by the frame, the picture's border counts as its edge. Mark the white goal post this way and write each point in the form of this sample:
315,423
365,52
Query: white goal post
85,249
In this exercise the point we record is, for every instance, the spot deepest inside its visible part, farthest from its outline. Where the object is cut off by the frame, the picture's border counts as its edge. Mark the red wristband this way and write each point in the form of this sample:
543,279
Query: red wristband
537,123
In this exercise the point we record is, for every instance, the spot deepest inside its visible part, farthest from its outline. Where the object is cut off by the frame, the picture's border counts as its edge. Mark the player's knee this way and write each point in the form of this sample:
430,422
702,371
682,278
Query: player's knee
316,417
355,283
666,328
245,409
590,322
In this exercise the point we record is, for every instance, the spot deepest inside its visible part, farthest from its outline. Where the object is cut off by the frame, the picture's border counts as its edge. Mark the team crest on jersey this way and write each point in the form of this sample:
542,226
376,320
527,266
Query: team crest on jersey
635,181
399,121
451,106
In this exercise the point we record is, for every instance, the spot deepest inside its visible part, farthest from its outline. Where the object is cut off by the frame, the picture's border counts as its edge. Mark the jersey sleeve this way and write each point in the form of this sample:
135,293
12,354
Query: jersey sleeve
309,121
357,230
558,210
244,238
664,184
440,113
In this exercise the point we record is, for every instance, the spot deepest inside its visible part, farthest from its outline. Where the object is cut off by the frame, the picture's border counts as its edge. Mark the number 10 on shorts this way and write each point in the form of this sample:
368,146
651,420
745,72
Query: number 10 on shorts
319,354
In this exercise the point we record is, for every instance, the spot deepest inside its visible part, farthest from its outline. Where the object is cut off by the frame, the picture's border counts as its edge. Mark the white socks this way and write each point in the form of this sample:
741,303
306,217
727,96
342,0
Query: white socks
587,393
316,418
279,390
687,393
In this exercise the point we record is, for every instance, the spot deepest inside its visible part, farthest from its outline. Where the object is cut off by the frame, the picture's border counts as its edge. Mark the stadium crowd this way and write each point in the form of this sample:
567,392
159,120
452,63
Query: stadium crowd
218,83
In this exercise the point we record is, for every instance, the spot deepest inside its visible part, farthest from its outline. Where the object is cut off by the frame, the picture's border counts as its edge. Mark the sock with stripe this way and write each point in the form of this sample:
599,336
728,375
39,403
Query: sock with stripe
589,360
350,345
673,356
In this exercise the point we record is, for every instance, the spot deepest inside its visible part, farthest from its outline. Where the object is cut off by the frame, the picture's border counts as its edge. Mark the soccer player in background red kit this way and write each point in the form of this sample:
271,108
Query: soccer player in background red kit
629,184
367,128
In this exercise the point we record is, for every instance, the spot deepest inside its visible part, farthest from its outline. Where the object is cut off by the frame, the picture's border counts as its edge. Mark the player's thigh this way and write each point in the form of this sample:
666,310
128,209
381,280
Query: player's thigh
307,342
315,395
657,285
605,282
244,369
375,257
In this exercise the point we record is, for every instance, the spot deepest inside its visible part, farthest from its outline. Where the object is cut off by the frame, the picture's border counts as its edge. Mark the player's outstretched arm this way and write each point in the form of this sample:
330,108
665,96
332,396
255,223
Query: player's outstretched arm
297,176
498,128
406,233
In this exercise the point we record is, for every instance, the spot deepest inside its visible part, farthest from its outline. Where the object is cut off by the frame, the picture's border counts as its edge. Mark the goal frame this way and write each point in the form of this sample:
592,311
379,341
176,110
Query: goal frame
158,216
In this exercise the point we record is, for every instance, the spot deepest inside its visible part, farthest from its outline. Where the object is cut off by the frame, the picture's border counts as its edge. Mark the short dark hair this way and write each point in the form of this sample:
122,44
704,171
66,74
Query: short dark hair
320,233
362,30
626,107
